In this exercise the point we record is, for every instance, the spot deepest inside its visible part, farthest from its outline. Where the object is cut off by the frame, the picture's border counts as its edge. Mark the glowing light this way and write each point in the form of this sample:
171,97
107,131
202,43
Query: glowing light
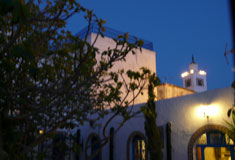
41,131
191,71
206,111
184,74
201,72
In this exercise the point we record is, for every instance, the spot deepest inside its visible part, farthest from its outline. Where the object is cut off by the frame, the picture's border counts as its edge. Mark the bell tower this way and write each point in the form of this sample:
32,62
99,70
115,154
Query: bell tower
194,79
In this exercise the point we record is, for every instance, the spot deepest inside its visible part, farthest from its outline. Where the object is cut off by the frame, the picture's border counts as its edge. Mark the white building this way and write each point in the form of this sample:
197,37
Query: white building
146,58
194,79
192,124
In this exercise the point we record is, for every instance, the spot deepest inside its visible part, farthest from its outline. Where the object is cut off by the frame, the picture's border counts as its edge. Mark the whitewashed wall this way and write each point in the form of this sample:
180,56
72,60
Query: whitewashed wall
146,58
181,112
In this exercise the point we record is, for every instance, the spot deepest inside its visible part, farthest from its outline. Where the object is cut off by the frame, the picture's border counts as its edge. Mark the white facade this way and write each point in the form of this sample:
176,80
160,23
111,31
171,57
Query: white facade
184,115
190,115
145,58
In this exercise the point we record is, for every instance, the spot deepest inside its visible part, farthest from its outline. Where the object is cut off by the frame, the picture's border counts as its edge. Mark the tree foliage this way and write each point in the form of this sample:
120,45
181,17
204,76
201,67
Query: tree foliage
154,142
51,79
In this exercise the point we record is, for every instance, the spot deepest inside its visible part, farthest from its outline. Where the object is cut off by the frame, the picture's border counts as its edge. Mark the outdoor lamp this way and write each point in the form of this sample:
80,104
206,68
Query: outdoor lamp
207,111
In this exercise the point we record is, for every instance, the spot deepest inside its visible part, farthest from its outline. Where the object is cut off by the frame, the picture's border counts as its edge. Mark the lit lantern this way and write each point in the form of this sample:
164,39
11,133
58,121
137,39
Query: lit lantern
206,111
41,131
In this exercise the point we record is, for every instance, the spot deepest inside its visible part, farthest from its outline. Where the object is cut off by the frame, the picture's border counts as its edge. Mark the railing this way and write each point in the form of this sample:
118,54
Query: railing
112,33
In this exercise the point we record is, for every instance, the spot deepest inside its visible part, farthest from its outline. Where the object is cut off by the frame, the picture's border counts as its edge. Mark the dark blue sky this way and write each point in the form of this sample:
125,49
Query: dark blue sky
177,29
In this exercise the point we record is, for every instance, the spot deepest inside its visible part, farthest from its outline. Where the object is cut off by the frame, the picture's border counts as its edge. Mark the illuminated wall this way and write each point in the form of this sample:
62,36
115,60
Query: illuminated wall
166,91
146,58
189,113
186,114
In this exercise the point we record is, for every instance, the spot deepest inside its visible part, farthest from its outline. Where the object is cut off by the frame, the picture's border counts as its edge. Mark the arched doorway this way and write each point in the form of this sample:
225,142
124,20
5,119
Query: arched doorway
93,144
136,146
211,142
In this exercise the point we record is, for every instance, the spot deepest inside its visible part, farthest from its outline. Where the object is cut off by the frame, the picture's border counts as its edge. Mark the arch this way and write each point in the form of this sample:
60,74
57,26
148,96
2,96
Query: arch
199,132
89,139
130,138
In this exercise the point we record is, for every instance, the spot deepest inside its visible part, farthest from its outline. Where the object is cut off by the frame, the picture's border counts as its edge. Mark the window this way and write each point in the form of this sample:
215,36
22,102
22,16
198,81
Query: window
138,148
93,144
188,82
200,82
214,145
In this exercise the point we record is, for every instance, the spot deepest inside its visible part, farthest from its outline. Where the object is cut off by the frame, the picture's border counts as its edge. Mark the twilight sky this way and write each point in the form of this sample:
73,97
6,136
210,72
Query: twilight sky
178,30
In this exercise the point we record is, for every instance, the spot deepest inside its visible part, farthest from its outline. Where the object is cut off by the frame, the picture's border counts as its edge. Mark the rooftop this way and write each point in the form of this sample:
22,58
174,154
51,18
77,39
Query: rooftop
112,33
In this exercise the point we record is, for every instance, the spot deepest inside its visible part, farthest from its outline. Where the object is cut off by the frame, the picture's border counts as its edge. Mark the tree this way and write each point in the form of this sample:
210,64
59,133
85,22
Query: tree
154,143
231,113
50,79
